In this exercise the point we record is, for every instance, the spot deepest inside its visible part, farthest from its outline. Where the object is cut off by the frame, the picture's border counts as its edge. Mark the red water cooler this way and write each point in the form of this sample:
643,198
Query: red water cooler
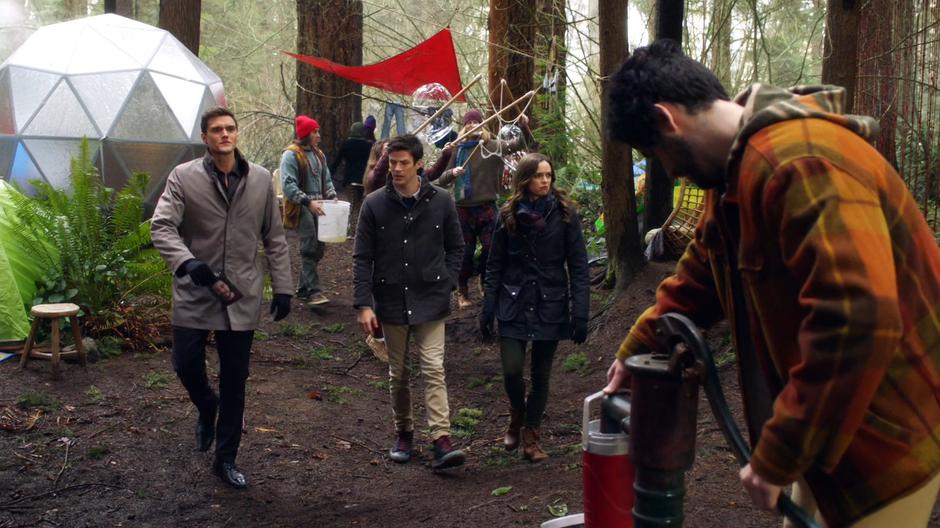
606,469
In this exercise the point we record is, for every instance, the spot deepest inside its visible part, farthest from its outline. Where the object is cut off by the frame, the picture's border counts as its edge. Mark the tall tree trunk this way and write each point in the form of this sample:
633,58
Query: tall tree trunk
840,54
181,18
720,33
624,252
659,185
124,8
331,29
511,50
550,125
75,8
878,71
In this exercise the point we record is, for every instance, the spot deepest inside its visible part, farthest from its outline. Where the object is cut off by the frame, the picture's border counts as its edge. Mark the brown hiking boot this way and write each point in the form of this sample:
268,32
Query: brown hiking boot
445,456
511,440
463,298
531,450
401,453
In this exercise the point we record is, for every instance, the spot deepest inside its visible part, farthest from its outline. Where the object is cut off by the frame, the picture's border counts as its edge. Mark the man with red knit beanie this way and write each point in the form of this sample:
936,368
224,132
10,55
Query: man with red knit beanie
306,181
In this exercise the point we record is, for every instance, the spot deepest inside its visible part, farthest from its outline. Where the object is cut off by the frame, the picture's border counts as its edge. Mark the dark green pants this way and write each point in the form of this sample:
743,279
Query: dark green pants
311,252
512,353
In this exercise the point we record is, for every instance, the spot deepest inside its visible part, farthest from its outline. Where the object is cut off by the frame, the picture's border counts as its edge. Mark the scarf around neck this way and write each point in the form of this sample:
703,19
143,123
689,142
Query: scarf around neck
531,214
463,187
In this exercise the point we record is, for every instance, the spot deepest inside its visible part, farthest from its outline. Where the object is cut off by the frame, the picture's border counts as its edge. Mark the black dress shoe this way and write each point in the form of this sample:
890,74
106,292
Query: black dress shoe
230,474
205,434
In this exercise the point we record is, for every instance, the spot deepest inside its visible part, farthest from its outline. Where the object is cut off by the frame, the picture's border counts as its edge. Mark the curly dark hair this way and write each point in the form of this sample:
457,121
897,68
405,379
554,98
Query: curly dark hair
658,73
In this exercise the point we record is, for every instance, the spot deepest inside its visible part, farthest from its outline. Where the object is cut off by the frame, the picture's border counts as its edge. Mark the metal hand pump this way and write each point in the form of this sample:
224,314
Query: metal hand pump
677,329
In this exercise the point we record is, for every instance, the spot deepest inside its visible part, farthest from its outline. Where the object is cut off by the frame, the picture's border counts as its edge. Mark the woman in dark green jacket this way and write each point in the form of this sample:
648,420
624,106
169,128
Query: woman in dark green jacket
537,267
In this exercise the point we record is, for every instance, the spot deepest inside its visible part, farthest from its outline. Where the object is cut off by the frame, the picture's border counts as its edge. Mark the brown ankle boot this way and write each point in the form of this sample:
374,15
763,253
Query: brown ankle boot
511,440
531,450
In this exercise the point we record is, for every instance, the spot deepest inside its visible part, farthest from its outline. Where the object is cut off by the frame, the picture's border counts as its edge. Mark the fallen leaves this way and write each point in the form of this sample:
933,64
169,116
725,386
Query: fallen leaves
16,420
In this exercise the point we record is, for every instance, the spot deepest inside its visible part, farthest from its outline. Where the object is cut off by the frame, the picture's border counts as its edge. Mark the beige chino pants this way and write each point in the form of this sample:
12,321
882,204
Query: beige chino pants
911,511
429,340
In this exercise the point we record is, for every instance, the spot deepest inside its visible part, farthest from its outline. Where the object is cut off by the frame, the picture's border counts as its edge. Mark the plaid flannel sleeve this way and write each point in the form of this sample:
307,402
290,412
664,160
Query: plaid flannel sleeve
834,240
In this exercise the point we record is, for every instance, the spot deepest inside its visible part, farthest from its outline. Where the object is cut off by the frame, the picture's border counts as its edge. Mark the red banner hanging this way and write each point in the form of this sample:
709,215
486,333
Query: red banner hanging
432,61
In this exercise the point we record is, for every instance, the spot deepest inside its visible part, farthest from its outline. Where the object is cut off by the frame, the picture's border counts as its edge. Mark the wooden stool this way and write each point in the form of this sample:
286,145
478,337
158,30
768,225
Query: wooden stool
54,312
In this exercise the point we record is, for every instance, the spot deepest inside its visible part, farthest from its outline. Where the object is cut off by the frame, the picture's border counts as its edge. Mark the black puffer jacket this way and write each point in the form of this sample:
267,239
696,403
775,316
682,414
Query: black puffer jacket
528,287
406,261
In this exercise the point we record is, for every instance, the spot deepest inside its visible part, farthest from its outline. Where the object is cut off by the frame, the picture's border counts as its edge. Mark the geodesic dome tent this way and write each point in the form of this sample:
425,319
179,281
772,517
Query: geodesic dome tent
132,89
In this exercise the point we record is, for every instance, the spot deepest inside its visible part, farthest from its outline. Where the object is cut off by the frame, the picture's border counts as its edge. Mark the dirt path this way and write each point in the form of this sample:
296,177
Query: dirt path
116,449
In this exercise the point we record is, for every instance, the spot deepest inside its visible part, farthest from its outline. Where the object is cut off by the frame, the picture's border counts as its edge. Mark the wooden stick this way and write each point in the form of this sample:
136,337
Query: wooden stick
447,104
65,464
528,94
472,152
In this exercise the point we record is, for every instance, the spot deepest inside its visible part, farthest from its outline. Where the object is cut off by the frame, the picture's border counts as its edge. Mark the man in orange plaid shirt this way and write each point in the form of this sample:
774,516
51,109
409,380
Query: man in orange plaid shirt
812,240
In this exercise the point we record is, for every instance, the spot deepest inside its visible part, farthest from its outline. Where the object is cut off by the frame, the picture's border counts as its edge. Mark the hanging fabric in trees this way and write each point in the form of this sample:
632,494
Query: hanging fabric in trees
432,61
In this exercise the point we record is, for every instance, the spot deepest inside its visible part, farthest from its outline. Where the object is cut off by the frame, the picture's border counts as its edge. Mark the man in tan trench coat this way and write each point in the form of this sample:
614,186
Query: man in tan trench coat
207,226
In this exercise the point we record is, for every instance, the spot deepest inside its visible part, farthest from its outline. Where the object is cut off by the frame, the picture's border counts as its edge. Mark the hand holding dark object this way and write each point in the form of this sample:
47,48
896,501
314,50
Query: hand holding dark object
579,331
200,273
486,326
280,306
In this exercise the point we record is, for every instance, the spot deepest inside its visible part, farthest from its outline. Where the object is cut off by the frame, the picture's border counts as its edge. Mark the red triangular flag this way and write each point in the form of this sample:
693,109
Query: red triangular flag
432,61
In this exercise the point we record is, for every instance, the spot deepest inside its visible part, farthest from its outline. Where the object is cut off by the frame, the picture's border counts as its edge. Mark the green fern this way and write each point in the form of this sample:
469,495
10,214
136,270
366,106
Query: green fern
91,242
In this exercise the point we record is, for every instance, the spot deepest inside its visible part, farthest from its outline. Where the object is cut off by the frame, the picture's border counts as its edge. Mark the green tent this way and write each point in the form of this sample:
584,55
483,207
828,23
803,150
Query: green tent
18,272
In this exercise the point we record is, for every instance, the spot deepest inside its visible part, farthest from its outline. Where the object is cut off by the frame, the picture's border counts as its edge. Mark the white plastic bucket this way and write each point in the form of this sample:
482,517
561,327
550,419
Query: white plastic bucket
331,227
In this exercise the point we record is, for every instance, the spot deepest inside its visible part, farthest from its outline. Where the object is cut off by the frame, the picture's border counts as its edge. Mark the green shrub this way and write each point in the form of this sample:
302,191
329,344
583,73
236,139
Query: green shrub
293,330
382,385
339,394
334,328
94,393
322,353
577,362
41,400
97,452
110,347
92,247
156,380
465,422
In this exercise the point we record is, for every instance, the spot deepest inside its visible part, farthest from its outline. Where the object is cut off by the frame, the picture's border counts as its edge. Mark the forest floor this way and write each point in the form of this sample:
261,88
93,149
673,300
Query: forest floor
113,446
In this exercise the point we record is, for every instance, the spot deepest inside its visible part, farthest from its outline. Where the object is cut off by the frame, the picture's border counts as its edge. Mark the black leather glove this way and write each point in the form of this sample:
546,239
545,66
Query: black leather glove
280,306
486,326
579,331
200,272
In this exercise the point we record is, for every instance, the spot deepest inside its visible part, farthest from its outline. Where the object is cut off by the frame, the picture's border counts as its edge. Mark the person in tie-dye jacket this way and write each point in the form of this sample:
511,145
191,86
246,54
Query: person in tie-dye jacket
817,254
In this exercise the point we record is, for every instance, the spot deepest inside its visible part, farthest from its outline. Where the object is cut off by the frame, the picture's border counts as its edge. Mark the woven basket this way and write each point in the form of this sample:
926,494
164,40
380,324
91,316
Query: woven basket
679,228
